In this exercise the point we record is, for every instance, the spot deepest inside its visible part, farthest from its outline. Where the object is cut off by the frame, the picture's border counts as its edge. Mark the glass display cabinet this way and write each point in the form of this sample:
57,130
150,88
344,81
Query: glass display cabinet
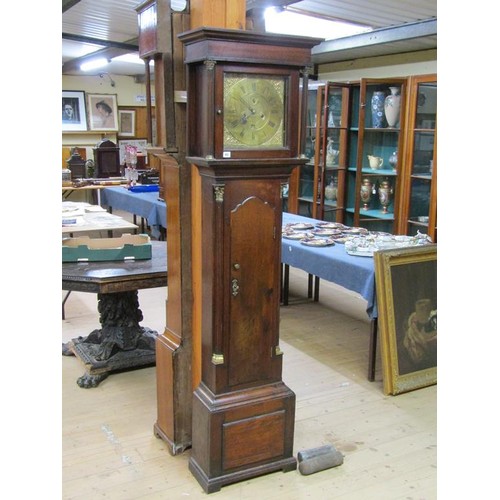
419,206
321,180
376,139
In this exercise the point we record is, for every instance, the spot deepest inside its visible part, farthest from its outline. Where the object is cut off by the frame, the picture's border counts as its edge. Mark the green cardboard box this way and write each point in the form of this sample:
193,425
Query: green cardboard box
126,247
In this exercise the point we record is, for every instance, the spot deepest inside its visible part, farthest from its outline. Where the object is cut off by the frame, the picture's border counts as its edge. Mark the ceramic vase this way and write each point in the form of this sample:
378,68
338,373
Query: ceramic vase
332,154
377,104
366,193
331,191
392,105
393,160
384,195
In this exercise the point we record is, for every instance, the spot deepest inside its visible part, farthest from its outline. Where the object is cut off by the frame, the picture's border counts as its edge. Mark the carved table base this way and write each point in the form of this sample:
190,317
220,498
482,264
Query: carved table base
120,344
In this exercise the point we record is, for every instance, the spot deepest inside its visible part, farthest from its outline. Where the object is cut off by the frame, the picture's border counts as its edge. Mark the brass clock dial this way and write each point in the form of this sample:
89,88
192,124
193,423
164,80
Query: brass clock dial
254,108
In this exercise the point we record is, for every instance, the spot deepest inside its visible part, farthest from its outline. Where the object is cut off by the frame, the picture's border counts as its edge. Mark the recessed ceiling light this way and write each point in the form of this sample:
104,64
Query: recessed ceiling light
94,64
292,23
131,58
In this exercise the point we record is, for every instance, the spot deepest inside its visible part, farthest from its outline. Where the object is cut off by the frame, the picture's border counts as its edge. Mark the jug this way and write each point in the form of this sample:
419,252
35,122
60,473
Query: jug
375,162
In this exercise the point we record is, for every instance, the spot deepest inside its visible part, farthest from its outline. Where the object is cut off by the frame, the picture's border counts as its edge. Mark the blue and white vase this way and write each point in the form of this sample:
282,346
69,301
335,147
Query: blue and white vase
378,117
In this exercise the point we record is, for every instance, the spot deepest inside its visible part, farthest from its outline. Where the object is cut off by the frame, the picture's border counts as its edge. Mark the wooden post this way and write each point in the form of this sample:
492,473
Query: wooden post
177,361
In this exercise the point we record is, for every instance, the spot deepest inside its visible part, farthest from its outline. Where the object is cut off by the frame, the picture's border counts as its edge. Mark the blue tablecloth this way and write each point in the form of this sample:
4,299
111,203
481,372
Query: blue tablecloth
146,205
332,263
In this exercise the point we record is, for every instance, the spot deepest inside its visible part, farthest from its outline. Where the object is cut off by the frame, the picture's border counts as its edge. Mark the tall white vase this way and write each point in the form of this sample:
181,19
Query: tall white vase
392,105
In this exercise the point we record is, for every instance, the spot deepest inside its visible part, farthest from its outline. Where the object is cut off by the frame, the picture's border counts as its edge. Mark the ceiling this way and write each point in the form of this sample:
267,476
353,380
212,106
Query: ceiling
110,27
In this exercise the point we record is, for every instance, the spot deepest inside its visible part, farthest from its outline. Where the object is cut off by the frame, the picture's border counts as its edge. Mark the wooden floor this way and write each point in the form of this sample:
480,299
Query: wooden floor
388,442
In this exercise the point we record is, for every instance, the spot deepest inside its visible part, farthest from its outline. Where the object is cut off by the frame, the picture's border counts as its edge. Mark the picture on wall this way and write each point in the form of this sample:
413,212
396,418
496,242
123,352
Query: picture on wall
103,112
127,122
140,144
74,116
406,281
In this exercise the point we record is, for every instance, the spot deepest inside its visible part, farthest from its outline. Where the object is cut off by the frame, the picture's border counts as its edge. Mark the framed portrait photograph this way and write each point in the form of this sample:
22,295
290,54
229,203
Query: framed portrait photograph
103,112
74,116
126,119
406,282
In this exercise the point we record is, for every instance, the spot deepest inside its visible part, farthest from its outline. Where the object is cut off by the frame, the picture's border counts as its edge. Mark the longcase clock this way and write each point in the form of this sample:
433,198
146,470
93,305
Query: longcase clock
243,102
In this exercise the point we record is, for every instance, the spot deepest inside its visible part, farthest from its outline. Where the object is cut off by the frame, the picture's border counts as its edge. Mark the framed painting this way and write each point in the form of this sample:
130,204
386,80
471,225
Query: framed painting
406,282
103,112
140,144
126,119
74,116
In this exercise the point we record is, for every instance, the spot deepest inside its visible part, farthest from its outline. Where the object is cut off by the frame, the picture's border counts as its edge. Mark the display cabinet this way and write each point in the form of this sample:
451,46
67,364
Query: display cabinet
375,145
419,186
321,179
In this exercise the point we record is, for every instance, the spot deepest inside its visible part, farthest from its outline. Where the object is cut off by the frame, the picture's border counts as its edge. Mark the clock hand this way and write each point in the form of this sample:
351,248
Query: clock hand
247,105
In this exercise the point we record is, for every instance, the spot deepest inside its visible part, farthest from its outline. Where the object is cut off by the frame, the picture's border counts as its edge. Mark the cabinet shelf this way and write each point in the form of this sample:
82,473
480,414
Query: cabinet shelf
381,172
372,214
386,130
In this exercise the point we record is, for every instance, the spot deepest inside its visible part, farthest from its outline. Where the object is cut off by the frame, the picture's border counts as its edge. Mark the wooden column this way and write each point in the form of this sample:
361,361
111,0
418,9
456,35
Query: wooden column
218,13
178,358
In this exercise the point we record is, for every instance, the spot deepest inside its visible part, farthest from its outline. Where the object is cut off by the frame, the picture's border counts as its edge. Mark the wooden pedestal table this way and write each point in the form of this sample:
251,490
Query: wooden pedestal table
121,343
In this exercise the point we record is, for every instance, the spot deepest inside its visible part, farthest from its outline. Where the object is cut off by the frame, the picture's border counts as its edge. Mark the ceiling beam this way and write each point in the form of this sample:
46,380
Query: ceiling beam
67,4
263,4
132,45
110,49
347,47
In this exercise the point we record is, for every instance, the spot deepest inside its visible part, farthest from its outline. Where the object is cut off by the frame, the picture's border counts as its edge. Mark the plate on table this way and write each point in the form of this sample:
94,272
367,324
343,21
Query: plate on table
361,252
326,232
293,235
318,242
331,225
355,230
300,226
340,238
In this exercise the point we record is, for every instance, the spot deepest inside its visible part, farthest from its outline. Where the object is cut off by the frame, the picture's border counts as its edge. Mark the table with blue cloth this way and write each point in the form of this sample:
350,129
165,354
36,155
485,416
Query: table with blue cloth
334,264
146,204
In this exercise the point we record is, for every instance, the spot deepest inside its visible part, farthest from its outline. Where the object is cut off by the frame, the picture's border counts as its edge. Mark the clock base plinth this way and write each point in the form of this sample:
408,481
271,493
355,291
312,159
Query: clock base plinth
241,434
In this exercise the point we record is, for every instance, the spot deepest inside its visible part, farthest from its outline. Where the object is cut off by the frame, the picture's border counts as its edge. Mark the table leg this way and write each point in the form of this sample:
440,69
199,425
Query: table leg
372,352
120,344
309,286
286,283
316,289
63,304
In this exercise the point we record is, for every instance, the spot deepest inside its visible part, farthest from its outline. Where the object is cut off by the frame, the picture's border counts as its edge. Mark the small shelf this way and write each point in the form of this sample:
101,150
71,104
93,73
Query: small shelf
386,172
372,214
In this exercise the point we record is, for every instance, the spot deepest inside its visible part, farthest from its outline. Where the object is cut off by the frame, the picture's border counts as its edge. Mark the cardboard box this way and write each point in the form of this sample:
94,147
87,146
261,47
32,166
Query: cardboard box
126,247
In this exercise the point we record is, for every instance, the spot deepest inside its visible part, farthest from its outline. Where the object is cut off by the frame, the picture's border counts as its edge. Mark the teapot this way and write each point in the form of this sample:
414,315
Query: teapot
375,162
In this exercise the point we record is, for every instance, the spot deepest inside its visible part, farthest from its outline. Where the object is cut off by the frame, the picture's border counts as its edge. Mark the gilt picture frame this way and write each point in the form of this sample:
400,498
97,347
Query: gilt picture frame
103,112
406,283
74,115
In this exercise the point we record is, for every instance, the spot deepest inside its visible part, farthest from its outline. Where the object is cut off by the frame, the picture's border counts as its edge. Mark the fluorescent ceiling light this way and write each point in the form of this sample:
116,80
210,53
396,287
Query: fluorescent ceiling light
94,64
292,23
131,58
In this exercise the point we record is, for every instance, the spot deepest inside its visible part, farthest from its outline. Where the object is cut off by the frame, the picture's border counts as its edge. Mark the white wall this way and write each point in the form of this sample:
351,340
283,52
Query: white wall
414,63
128,92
